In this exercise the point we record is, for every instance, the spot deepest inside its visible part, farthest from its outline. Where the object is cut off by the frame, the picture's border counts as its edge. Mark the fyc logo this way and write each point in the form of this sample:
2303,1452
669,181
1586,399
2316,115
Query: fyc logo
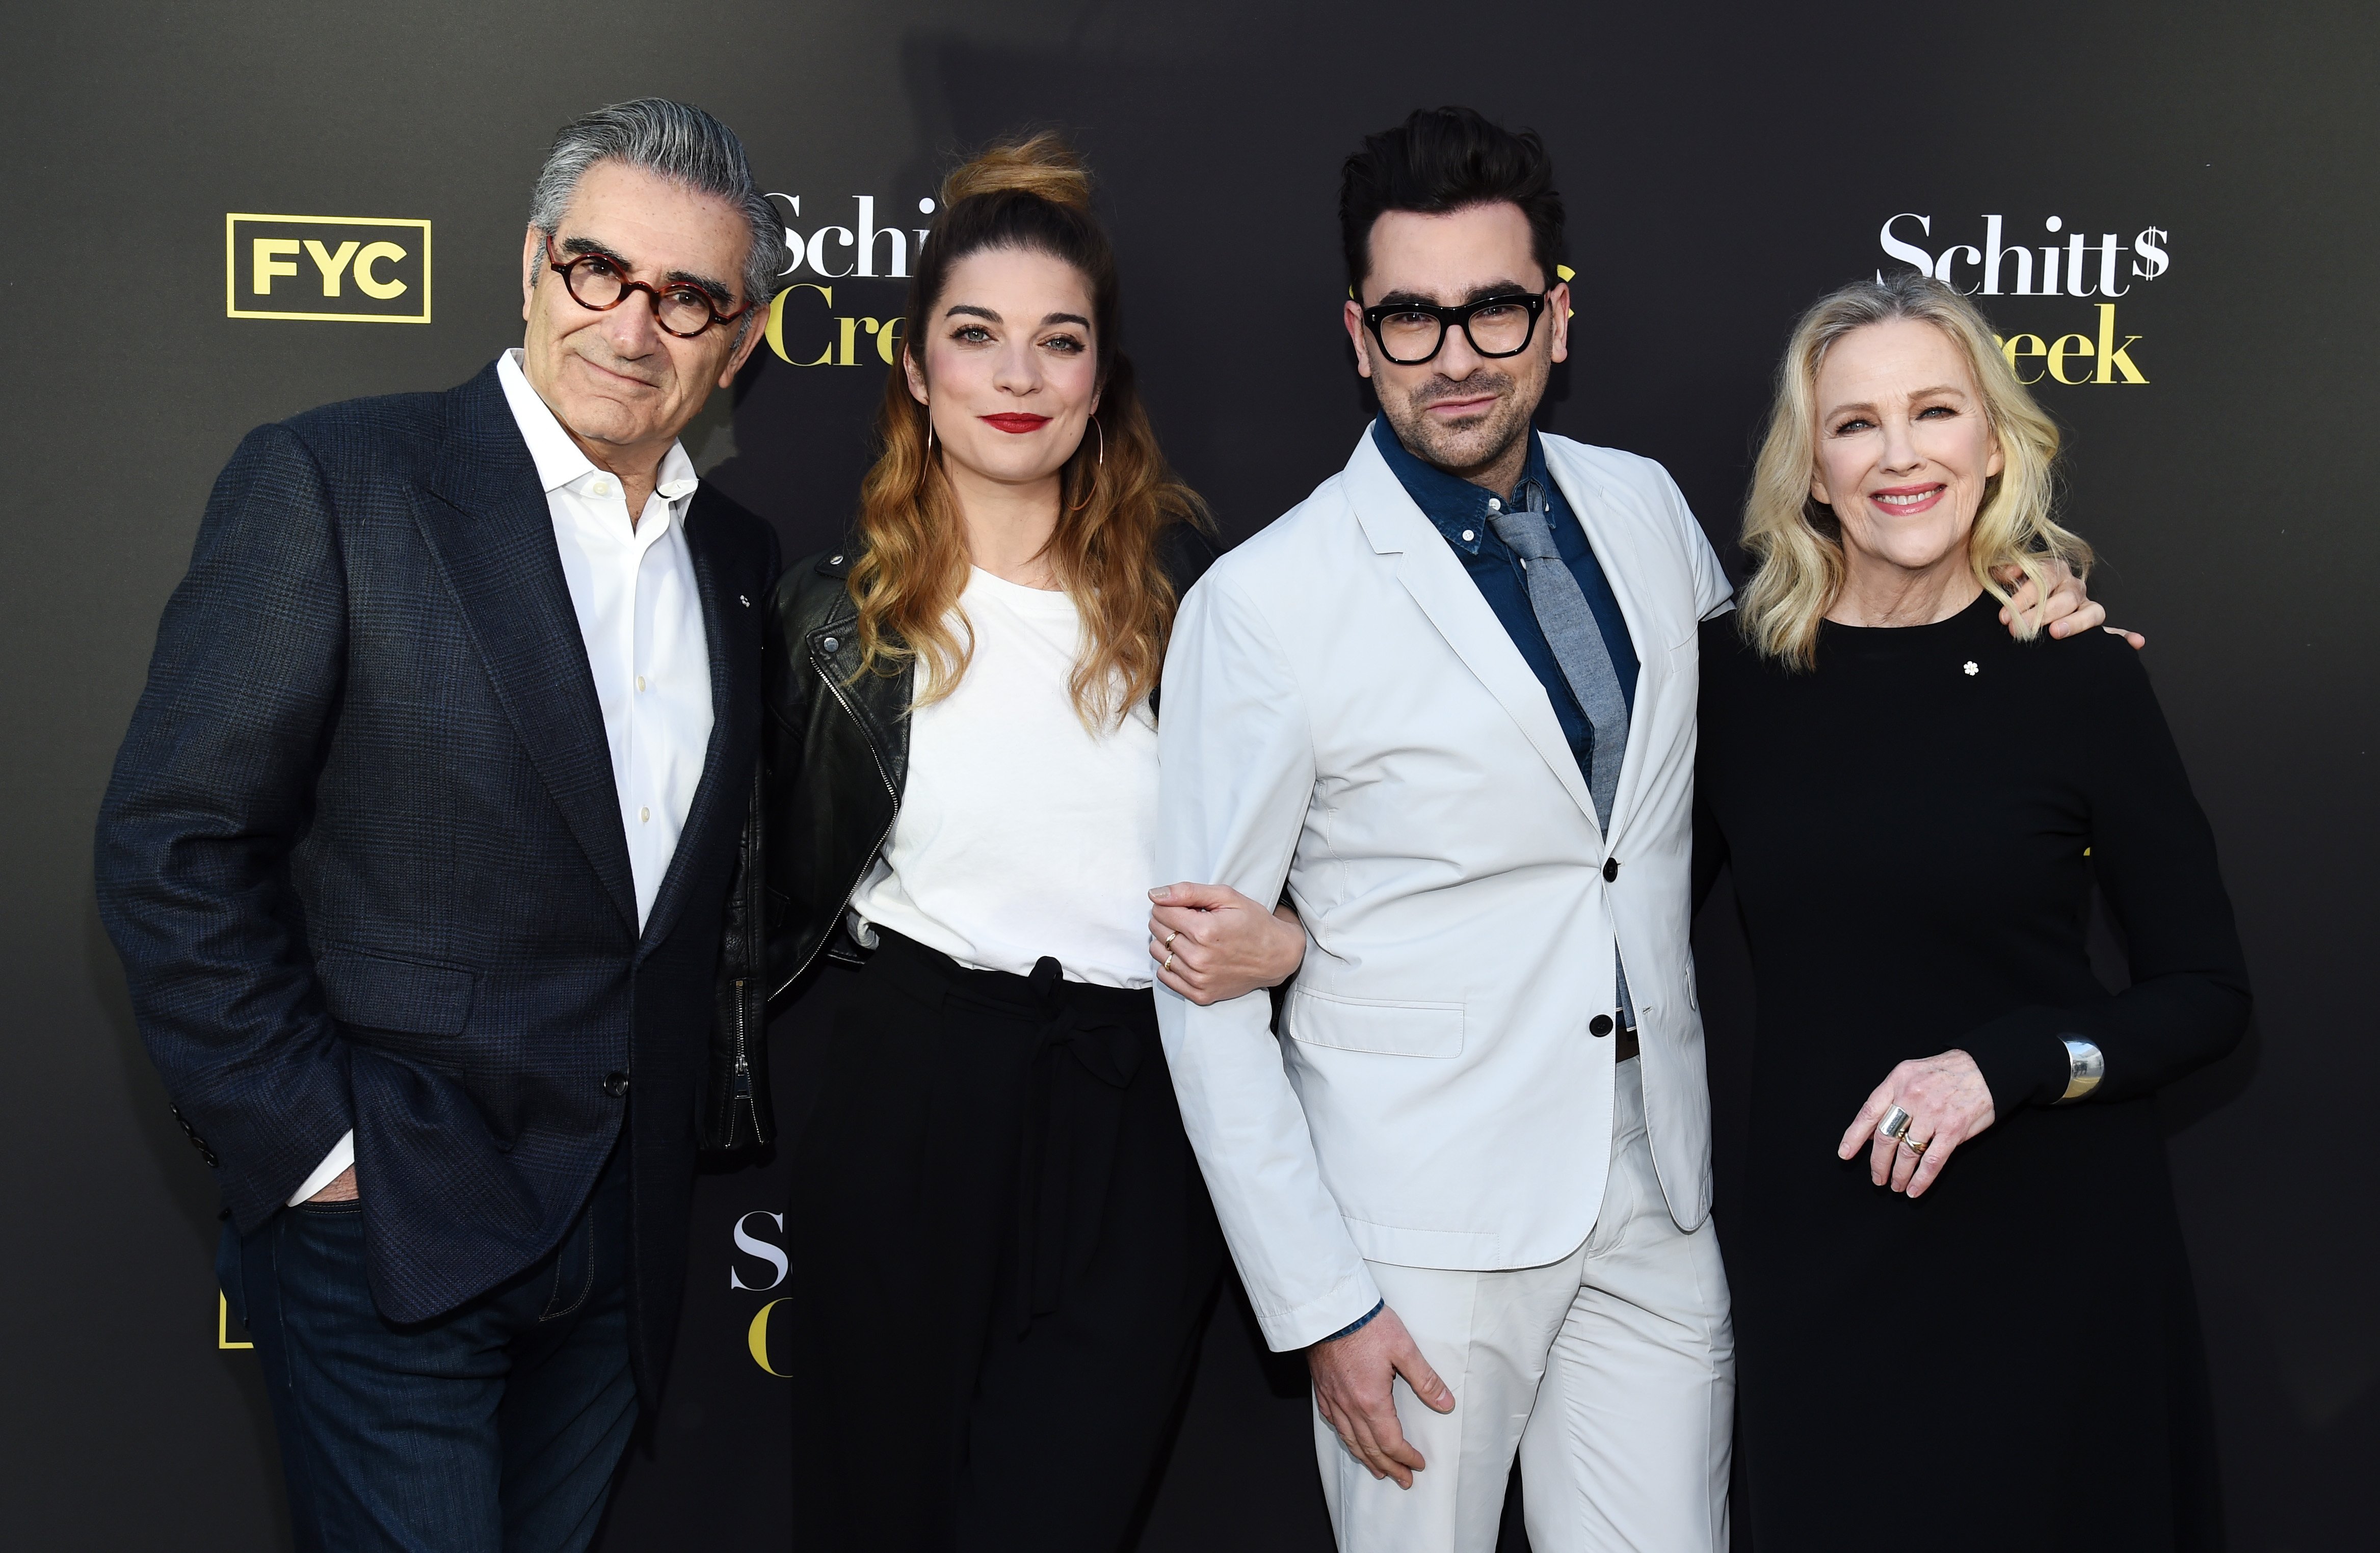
337,268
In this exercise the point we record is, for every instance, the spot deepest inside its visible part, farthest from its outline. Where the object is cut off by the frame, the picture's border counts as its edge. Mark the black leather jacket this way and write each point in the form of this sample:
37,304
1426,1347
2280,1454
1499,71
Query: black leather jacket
834,762
836,744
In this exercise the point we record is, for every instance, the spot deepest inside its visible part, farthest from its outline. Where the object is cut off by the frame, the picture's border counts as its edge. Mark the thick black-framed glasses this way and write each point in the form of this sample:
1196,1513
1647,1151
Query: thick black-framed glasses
1413,333
681,307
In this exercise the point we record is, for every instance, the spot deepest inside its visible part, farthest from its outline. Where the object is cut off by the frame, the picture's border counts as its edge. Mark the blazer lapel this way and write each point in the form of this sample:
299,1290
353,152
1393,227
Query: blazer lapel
489,525
1429,572
727,692
1615,530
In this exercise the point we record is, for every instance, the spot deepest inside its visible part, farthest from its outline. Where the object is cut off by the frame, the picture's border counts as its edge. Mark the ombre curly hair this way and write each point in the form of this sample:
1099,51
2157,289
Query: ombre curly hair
1118,496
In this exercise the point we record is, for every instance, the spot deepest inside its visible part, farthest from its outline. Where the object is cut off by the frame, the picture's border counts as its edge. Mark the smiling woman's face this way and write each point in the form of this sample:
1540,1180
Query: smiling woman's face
1011,377
1904,446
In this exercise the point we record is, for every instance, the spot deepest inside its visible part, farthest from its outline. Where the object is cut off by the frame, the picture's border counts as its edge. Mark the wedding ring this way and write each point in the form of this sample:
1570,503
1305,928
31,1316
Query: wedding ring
1172,936
1912,1144
1895,1123
1169,963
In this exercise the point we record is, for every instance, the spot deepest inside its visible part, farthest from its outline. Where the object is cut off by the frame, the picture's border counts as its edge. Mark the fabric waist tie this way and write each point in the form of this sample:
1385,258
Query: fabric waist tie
1084,1059
1088,1043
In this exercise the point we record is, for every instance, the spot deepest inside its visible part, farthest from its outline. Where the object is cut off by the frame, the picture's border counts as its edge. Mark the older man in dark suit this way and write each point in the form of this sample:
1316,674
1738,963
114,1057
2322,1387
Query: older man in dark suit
417,850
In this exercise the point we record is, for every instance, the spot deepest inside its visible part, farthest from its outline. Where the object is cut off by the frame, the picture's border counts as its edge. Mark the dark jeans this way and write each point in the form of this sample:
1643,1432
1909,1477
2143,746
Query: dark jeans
493,1429
1007,1253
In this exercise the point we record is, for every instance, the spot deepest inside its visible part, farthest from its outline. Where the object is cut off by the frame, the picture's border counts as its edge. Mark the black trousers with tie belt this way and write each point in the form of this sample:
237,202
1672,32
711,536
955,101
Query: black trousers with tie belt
1004,1253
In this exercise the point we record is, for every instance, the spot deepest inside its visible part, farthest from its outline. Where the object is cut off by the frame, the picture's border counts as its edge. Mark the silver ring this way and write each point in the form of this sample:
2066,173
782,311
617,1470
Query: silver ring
1895,1124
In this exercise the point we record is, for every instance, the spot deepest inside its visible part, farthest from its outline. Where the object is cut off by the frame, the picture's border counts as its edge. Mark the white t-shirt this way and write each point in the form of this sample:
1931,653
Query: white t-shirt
1021,833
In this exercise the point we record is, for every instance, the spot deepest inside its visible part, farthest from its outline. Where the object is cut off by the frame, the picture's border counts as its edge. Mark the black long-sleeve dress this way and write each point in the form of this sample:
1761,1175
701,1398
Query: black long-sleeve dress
2012,1360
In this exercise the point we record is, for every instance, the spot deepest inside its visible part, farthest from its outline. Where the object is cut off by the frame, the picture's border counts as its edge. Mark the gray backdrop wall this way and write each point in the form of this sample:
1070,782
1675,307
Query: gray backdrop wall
2210,167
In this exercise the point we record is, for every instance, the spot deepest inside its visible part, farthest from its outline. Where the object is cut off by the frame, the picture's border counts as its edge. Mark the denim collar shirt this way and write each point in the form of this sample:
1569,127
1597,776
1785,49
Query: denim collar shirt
1460,510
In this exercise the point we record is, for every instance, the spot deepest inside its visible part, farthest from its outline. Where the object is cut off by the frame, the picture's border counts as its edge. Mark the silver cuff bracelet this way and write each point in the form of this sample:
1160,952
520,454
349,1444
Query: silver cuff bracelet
2085,1066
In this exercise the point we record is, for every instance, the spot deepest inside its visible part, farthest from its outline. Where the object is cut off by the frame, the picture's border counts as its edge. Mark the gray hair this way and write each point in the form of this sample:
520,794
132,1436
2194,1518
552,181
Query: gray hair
678,141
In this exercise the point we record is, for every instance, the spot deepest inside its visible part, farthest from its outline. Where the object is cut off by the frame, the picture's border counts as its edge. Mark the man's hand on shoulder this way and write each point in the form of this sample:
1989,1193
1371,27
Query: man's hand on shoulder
2069,609
1355,1385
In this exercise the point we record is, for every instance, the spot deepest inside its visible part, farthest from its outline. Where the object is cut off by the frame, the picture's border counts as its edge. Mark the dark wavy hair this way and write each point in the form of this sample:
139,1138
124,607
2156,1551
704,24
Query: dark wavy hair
1440,160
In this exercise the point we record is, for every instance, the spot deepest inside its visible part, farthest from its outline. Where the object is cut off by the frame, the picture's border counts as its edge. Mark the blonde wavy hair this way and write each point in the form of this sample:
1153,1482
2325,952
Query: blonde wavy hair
1796,541
1117,495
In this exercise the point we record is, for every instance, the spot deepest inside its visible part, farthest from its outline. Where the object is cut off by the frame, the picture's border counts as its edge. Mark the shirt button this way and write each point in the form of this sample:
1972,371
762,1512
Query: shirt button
647,815
1495,505
1610,869
601,488
640,682
616,1085
1468,536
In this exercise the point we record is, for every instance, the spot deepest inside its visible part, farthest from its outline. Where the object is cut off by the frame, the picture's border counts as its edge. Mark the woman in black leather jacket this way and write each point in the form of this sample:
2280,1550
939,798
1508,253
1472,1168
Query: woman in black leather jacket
1003,1247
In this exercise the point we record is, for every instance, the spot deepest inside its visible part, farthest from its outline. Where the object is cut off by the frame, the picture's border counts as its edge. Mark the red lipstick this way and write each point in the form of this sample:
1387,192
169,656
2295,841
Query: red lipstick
1016,422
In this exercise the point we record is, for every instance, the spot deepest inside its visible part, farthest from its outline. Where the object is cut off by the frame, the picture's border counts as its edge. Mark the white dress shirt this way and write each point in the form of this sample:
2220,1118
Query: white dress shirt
640,615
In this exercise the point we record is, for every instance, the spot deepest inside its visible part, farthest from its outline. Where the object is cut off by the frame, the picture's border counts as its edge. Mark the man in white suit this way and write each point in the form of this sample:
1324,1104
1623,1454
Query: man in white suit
1449,702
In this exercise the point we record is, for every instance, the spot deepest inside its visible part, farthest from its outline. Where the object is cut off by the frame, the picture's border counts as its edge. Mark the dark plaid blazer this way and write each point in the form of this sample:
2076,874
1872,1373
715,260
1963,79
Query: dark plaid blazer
363,859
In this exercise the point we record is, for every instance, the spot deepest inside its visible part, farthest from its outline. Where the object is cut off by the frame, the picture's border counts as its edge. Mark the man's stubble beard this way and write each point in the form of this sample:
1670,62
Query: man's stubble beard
1461,449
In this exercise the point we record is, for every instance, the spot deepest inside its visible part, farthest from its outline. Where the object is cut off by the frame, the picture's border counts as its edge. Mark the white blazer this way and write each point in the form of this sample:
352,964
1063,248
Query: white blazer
1344,712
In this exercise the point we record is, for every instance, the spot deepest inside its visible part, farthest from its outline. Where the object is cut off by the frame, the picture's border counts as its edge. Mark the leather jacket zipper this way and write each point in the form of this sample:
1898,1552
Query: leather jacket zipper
743,1058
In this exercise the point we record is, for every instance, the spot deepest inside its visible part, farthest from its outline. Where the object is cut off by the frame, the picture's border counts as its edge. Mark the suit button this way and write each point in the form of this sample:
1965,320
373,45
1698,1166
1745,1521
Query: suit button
191,1133
616,1085
1599,1025
1610,869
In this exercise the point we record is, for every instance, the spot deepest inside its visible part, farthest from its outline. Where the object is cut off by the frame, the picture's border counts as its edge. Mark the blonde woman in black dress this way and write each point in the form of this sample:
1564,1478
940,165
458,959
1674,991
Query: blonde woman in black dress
1964,1313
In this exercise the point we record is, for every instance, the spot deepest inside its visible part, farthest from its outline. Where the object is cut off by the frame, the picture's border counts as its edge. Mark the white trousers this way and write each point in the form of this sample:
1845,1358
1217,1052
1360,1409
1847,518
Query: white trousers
1611,1372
